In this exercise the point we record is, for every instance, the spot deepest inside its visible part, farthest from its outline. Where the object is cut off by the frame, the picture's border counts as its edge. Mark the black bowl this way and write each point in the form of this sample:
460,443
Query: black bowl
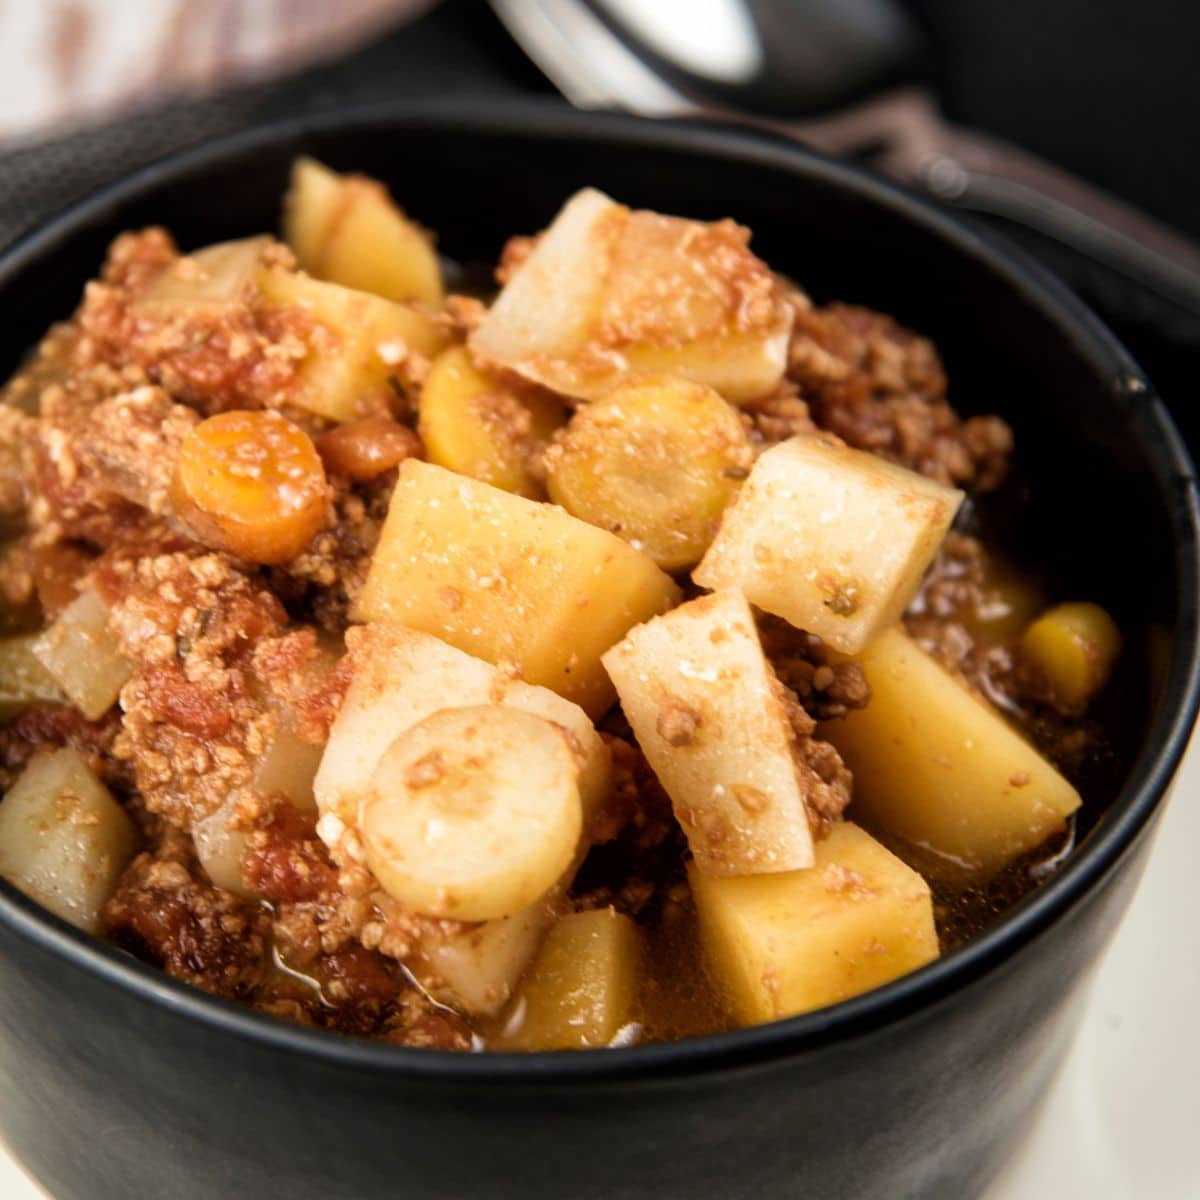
119,1082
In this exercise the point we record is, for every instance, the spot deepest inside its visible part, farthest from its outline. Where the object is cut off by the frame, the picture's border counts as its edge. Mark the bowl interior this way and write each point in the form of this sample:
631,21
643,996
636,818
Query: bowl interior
1106,503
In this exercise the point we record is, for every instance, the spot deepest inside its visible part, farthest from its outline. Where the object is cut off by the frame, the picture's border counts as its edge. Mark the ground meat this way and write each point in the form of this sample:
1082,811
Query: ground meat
775,418
514,255
167,912
823,685
16,465
954,583
881,388
130,443
240,354
59,570
318,708
642,851
826,779
193,727
73,500
462,315
18,584
51,727
431,1026
285,861
325,580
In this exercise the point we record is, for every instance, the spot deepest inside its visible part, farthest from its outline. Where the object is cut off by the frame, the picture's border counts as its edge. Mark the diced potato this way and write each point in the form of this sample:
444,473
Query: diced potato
251,484
477,969
473,425
780,945
308,210
346,228
209,280
1072,647
655,461
23,679
285,768
705,707
83,655
936,765
401,676
832,539
581,989
221,849
474,813
64,840
288,766
607,293
509,579
363,341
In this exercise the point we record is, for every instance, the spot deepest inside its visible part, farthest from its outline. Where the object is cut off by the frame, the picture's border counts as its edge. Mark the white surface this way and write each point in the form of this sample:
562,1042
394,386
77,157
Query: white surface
1121,1118
1120,1121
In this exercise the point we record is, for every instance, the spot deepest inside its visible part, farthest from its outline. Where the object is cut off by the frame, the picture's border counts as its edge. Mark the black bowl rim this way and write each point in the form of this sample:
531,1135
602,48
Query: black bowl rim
1146,787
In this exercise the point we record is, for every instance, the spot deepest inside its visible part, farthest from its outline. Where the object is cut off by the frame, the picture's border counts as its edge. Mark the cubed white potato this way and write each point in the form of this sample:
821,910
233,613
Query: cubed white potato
400,677
64,840
608,292
207,281
81,651
476,969
288,765
347,228
510,580
23,679
706,710
221,849
779,945
936,765
360,343
832,539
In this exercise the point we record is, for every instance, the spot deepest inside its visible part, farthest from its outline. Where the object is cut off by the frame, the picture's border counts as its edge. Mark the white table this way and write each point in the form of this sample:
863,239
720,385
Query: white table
1118,1123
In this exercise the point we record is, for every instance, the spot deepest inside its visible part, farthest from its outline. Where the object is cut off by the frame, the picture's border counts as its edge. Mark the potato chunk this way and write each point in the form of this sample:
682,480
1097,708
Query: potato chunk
936,765
779,945
705,707
833,540
471,424
400,677
581,989
346,228
83,655
64,840
608,292
23,679
473,813
210,280
286,767
221,849
476,969
509,579
358,346
656,462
